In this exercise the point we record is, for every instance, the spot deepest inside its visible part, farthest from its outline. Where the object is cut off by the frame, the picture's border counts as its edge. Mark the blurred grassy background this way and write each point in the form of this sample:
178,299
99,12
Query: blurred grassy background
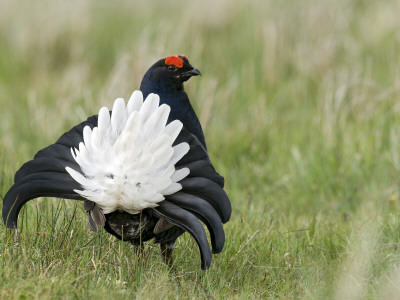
300,105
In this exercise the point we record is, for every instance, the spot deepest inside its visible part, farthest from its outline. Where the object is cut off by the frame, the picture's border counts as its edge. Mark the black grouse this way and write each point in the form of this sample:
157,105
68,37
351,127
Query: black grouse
142,170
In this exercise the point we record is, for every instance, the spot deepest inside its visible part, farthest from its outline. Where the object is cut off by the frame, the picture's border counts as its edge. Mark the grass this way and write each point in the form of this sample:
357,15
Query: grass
300,105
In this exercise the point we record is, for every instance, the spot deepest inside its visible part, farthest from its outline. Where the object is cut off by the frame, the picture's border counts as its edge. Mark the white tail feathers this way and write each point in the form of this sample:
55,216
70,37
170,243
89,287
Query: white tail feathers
128,161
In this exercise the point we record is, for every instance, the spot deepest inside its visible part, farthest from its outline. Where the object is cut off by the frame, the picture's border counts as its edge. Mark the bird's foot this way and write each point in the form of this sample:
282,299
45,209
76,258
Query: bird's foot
138,249
166,253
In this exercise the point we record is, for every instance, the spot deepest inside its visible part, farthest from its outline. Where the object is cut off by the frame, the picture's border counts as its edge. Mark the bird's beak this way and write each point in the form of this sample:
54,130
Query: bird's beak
194,72
190,73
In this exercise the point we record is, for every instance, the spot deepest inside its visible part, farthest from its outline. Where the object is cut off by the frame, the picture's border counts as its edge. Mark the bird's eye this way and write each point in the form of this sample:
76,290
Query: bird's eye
172,67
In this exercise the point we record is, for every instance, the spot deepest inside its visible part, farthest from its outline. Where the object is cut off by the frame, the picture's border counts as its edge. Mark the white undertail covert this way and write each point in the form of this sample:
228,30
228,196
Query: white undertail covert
128,161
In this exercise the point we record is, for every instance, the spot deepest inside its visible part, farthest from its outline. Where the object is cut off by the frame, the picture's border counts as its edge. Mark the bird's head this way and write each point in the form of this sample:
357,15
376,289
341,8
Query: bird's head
168,74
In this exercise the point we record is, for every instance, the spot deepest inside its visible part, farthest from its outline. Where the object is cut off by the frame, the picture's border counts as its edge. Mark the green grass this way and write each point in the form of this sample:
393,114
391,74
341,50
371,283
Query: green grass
300,105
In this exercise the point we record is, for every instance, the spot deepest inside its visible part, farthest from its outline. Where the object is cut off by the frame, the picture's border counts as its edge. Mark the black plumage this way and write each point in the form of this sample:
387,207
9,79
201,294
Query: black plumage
201,198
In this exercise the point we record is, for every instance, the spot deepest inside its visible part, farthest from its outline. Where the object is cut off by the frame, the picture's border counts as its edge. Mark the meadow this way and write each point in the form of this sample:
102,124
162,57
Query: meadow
300,105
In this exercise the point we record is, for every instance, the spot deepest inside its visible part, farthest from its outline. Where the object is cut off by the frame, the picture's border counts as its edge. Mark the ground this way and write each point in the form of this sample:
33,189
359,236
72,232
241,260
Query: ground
300,105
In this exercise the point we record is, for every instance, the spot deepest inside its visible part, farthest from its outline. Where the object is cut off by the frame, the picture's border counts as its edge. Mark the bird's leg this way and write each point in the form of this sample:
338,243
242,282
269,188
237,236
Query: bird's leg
137,249
166,253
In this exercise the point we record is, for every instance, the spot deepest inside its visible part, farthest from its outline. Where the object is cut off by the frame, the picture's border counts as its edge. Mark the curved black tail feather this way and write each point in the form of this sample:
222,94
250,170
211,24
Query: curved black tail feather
210,191
206,213
45,175
184,219
19,194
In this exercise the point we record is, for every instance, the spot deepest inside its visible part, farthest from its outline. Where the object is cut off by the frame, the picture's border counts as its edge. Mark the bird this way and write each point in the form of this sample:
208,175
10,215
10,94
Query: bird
141,169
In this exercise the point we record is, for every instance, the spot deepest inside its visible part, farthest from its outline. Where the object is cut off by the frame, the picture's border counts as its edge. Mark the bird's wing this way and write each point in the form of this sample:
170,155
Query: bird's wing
95,215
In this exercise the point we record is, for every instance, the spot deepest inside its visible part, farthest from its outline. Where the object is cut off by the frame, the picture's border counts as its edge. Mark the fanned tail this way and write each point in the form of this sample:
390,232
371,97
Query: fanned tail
193,192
